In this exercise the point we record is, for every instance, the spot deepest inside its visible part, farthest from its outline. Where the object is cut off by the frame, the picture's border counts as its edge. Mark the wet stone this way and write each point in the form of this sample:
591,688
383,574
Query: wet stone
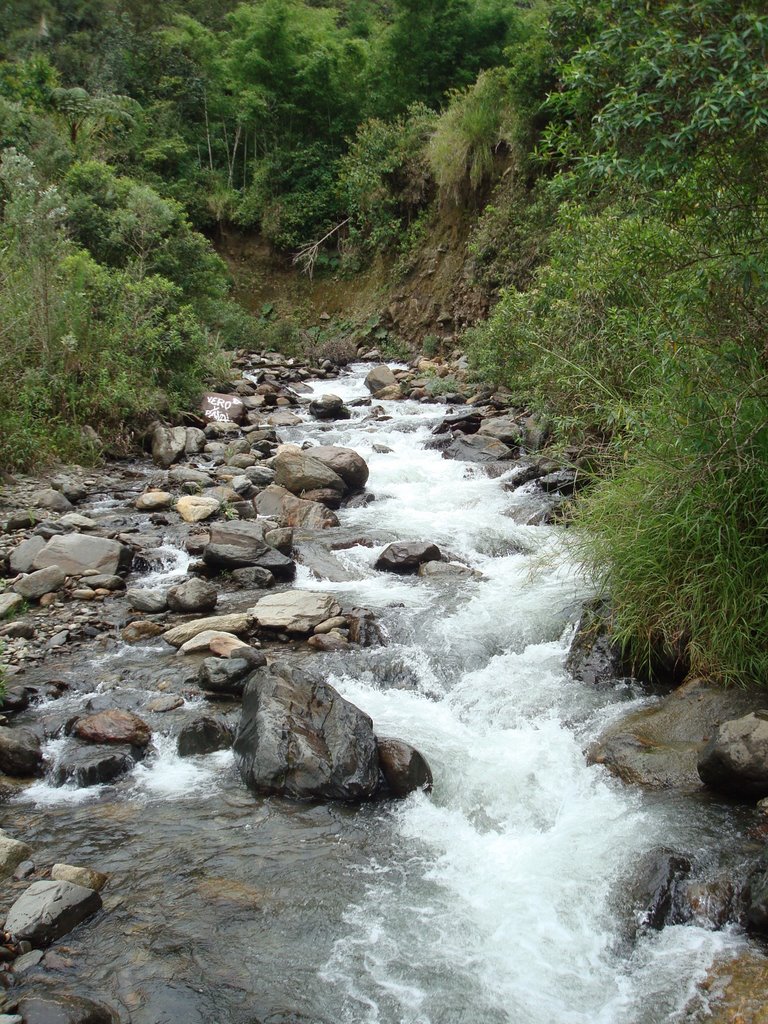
93,766
59,1008
204,735
49,909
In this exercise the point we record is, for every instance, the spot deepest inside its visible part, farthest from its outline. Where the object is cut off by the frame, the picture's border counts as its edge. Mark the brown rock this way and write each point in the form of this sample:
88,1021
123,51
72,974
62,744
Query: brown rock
115,726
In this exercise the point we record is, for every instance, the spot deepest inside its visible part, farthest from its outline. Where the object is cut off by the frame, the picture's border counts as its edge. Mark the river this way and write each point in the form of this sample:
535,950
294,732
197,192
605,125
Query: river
496,899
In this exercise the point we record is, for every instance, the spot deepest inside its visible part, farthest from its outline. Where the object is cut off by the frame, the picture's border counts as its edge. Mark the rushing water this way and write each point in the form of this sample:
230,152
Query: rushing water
497,899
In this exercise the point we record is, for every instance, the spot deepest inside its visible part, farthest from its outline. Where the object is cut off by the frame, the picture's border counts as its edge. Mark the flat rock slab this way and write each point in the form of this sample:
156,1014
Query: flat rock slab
50,909
295,611
236,623
93,765
76,554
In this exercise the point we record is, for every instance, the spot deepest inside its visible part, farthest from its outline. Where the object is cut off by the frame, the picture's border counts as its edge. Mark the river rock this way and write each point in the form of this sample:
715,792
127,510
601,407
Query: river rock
195,595
154,501
448,570
12,853
329,407
220,408
186,475
295,611
168,445
236,623
86,877
43,581
47,497
254,578
20,752
74,521
141,630
226,675
115,726
194,508
478,448
61,1008
10,603
380,377
50,909
76,554
659,746
152,601
735,759
204,735
328,642
235,545
301,739
93,765
502,428
653,891
298,472
405,770
406,556
23,555
345,462
594,657
195,441
278,503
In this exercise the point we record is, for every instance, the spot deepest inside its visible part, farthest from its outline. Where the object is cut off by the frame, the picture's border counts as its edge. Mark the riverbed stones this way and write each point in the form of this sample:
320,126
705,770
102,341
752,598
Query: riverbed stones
50,909
658,746
735,759
75,554
195,595
114,726
404,557
345,462
236,623
168,445
20,752
378,378
152,601
194,508
300,738
295,611
154,501
42,581
86,877
12,853
204,735
404,768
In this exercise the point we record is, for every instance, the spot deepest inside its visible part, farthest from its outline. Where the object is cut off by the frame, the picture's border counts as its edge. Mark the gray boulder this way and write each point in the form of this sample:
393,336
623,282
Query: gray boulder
406,556
76,553
23,555
93,765
48,910
195,595
20,752
380,377
152,601
329,407
61,1008
10,603
228,675
253,577
345,462
298,472
235,545
478,447
504,429
47,497
168,445
289,511
12,853
43,581
301,739
735,760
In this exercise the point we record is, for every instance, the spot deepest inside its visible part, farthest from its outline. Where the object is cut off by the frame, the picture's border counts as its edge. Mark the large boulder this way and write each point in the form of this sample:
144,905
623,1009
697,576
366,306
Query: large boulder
236,623
93,765
406,556
380,377
298,472
75,554
114,726
49,909
481,448
295,611
299,738
329,407
235,545
278,503
735,760
195,595
658,746
168,445
351,467
43,581
20,752
227,675
403,767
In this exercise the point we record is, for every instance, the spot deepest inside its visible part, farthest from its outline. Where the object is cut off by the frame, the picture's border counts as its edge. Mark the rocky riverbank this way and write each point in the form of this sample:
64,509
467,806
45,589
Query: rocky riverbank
202,567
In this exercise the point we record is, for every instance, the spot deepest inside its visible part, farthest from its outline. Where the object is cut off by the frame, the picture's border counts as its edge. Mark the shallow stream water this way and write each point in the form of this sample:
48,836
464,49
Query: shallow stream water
497,899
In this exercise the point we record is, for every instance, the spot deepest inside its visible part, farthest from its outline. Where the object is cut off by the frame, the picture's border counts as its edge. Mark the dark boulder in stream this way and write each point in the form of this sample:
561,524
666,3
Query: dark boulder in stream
204,735
300,738
406,556
735,759
47,910
404,768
